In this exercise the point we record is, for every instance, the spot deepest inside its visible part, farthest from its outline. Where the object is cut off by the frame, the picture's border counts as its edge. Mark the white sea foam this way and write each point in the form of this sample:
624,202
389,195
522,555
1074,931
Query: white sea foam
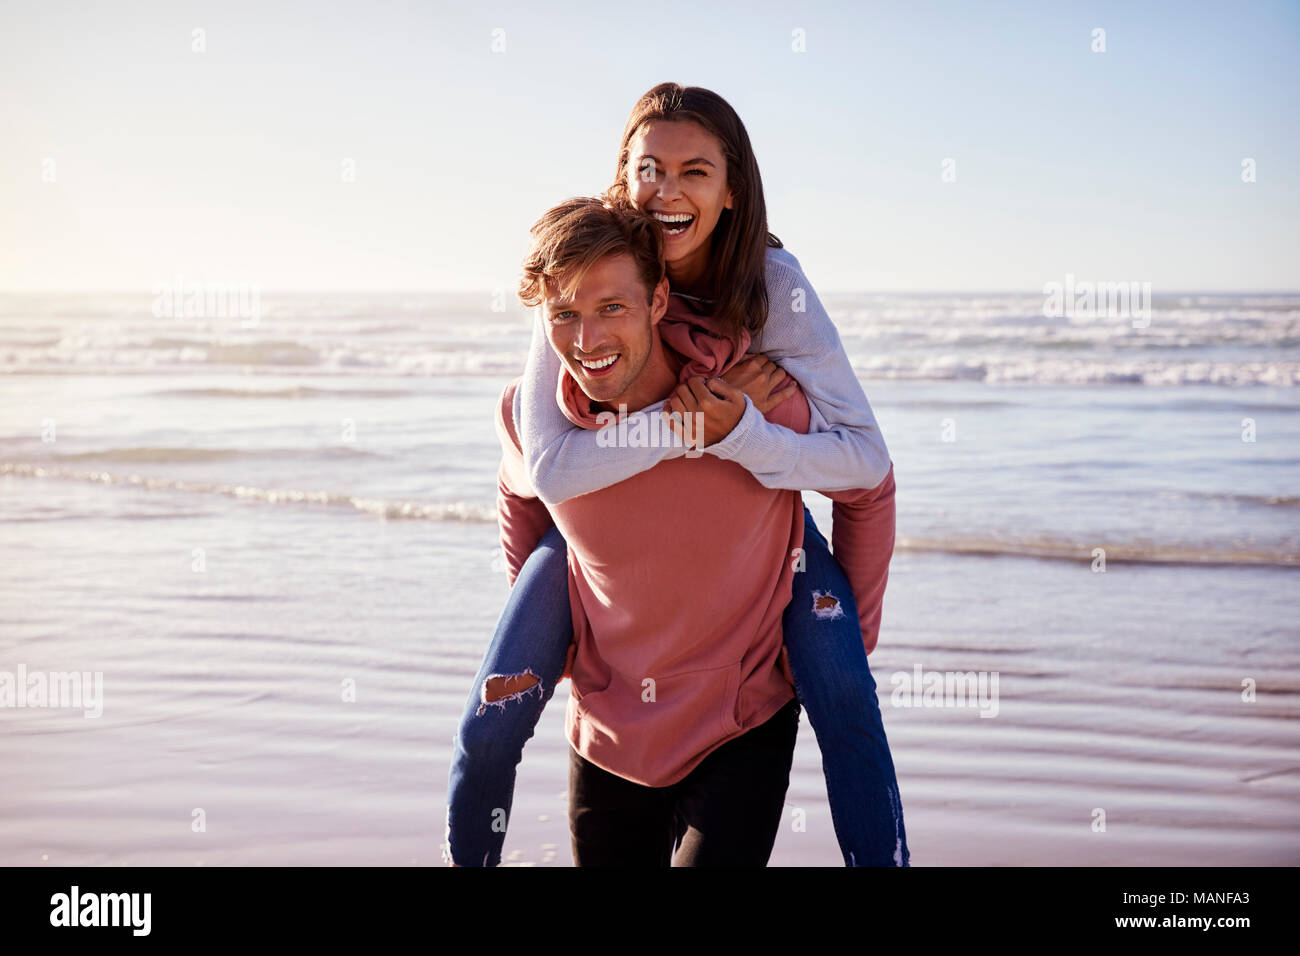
379,507
1191,339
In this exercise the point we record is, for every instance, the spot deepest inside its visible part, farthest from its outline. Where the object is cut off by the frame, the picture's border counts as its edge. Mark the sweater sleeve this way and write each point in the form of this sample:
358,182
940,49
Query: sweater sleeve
844,448
521,516
563,460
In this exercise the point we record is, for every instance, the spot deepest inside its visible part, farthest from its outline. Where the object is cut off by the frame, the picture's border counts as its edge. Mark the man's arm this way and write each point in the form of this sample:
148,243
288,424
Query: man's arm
862,533
862,540
521,515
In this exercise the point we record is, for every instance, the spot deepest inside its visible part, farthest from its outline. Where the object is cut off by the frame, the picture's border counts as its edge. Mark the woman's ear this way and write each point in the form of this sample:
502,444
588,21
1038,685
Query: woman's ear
728,203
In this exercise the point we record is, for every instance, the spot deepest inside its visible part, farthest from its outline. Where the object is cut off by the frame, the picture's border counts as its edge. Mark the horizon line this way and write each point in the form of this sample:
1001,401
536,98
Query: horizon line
481,290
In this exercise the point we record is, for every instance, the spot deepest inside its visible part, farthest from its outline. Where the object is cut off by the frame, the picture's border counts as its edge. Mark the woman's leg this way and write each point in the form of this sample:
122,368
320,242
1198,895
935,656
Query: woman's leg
519,674
835,686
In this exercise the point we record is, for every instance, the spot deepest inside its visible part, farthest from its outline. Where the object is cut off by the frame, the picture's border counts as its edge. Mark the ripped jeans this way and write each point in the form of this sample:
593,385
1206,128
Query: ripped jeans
526,658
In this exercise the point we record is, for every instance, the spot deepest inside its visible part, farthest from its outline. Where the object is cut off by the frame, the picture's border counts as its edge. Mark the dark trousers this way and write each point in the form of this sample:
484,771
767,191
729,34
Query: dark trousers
725,812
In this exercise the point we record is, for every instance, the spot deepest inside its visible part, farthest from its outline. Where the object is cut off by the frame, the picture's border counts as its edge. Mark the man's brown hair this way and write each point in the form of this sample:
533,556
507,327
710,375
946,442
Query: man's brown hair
572,237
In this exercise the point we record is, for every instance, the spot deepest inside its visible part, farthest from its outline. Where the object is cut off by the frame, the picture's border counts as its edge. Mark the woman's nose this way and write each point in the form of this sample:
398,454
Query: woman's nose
668,187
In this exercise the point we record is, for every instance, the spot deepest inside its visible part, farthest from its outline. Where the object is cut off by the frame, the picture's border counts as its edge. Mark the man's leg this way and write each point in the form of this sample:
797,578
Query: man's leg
730,806
615,822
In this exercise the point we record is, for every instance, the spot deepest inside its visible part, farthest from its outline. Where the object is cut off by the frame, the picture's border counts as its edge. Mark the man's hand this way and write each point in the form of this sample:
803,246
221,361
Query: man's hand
721,405
759,377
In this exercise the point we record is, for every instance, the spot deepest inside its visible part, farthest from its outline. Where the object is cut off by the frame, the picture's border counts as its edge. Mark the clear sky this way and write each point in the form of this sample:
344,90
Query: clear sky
227,165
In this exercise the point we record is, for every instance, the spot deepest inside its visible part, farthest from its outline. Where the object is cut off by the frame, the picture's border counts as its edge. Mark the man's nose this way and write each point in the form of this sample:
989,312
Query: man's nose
591,335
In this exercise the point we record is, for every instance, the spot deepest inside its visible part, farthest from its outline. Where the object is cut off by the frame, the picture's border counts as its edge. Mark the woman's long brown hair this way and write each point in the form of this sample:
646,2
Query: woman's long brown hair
737,280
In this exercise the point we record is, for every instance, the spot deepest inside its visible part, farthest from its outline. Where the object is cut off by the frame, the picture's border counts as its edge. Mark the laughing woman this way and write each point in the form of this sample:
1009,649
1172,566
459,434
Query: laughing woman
686,160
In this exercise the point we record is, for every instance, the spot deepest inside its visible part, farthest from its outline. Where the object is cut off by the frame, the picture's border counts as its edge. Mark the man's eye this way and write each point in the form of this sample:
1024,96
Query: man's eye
561,316
614,305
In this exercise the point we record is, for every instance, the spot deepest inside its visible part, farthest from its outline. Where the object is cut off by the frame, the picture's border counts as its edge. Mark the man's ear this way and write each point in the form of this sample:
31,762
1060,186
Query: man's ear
659,301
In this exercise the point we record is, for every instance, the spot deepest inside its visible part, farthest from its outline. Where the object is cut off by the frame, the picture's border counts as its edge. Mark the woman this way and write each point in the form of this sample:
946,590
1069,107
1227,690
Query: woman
686,160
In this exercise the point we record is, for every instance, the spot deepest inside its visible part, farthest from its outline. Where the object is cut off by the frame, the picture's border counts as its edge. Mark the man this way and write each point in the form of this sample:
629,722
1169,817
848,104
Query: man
682,718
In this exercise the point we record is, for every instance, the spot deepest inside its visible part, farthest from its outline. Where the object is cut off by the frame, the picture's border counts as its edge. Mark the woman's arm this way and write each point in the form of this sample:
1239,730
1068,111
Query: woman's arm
844,448
563,460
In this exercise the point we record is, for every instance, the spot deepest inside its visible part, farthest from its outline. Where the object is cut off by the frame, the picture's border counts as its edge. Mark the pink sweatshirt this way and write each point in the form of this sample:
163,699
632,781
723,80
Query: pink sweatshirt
678,580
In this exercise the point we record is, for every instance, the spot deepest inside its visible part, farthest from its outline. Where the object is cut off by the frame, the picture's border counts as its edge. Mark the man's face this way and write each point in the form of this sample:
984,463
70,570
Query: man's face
606,333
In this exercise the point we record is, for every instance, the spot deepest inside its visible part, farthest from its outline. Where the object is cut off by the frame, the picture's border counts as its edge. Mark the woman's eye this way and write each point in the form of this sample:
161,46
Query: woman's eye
699,171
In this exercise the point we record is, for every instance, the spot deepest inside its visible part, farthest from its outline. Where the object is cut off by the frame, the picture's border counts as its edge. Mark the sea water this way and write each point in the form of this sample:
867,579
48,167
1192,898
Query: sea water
277,547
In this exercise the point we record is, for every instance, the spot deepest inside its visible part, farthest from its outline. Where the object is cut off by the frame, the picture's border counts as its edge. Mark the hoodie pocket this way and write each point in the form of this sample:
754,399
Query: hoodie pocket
640,730
731,700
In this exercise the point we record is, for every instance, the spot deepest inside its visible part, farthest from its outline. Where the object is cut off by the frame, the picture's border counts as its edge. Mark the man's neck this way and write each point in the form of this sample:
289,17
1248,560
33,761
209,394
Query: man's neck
657,379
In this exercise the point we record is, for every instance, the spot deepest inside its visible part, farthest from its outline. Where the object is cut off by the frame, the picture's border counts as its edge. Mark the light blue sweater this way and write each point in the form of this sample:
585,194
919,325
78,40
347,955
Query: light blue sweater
844,448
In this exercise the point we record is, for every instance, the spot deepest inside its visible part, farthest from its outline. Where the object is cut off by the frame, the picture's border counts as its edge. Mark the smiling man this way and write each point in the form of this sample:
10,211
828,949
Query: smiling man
682,717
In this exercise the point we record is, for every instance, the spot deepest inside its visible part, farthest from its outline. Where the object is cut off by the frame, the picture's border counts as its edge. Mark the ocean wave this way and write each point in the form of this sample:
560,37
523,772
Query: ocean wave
284,357
388,508
178,455
1207,554
1028,371
294,392
1035,332
1266,501
1035,354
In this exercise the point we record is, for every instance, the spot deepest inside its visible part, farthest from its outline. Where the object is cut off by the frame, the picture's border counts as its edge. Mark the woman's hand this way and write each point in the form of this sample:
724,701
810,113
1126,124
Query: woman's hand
758,377
719,405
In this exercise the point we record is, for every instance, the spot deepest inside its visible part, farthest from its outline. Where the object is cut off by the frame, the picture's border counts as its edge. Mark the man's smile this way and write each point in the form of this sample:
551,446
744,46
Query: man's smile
600,366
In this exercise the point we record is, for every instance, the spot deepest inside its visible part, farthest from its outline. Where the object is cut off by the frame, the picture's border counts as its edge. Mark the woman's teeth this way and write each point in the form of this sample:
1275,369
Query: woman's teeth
676,223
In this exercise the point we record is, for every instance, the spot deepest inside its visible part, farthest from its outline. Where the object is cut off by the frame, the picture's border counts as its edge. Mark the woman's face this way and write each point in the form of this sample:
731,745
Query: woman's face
677,173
